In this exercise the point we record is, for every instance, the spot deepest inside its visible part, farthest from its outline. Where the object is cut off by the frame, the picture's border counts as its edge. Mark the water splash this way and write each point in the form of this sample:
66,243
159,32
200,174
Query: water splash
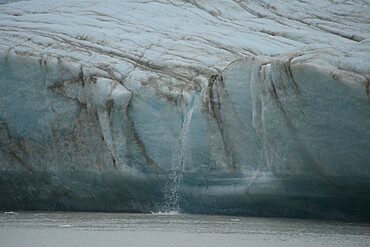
166,213
172,188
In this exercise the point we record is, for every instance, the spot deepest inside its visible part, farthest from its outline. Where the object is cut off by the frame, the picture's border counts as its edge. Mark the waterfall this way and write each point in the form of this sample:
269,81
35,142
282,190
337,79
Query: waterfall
172,188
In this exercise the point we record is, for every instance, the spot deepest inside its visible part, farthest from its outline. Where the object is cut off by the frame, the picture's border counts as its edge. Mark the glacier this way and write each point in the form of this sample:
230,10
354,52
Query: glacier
257,108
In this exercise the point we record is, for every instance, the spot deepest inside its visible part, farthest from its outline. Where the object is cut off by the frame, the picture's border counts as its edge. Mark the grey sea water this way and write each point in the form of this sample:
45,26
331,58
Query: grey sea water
28,229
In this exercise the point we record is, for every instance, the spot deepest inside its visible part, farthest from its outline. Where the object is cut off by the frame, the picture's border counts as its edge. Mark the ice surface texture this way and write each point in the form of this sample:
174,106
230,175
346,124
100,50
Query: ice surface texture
96,99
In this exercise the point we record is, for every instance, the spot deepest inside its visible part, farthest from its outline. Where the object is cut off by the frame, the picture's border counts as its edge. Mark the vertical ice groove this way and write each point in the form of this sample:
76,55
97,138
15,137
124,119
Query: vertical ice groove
172,188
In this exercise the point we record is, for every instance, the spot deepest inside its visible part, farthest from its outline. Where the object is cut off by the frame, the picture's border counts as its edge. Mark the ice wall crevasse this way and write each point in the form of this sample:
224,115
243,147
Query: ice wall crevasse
296,106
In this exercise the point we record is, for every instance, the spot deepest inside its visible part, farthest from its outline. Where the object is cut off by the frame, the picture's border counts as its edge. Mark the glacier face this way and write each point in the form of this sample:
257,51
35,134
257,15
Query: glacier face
235,107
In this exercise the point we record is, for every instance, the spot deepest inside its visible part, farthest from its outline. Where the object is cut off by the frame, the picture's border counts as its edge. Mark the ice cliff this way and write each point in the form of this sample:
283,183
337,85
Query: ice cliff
221,107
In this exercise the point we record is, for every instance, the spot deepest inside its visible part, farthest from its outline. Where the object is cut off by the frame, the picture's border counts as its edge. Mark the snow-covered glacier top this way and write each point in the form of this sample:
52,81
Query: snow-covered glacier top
232,107
180,42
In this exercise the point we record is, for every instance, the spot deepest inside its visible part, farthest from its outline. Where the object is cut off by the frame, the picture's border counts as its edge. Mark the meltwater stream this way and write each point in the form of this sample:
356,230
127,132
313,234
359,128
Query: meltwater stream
172,188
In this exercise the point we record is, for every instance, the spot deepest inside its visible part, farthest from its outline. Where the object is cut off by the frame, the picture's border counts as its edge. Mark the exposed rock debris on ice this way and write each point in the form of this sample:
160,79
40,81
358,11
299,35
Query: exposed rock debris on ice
95,97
